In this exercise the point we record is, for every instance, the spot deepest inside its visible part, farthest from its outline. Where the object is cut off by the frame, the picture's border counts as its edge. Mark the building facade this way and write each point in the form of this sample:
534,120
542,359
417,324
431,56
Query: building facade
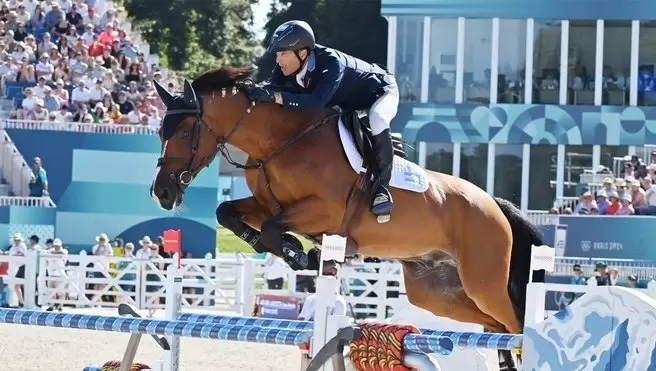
519,96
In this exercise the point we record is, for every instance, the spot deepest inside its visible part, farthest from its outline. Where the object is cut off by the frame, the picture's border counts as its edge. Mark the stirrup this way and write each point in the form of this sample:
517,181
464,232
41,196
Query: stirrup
381,207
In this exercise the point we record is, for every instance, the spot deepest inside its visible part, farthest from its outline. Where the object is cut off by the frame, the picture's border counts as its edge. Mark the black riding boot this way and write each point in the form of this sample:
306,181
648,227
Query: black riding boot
381,203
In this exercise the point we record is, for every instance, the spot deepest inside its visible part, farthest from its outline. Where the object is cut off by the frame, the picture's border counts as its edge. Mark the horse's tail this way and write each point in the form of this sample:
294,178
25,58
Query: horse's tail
524,234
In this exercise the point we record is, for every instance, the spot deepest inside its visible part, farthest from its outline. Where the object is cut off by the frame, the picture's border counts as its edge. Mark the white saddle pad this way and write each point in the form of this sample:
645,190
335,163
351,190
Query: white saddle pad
405,174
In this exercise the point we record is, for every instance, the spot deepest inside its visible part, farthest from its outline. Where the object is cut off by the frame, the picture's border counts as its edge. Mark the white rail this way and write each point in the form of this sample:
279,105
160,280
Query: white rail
26,201
79,127
229,282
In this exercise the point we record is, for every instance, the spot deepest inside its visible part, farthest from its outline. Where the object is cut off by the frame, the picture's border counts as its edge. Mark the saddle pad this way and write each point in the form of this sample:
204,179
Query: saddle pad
405,174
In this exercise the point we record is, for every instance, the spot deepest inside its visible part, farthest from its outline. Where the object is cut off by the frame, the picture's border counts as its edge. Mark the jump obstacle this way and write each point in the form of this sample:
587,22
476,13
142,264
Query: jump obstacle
609,327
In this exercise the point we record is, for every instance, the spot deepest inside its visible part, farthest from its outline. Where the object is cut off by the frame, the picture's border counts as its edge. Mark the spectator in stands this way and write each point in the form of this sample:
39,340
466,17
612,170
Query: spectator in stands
632,281
46,46
98,112
585,204
38,89
102,248
56,265
39,181
97,93
80,95
608,186
26,73
124,104
20,53
44,69
577,279
60,29
92,18
275,272
601,274
307,312
18,248
144,252
20,34
38,113
82,114
620,186
54,16
60,93
577,276
12,20
615,205
127,279
637,194
38,20
602,201
75,18
613,276
24,16
108,36
50,103
626,208
650,191
64,115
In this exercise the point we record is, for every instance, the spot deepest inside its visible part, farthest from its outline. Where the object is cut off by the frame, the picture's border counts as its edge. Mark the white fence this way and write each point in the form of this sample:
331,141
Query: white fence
228,282
26,201
78,127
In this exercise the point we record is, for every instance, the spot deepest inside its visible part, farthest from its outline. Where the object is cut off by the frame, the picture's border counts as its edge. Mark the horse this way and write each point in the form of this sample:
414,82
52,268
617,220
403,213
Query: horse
465,254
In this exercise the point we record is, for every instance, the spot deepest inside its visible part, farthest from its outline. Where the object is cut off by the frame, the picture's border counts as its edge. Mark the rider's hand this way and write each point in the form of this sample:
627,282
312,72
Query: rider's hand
261,94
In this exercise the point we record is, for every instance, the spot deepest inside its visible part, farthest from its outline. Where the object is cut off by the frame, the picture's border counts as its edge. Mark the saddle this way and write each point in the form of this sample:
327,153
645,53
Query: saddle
357,123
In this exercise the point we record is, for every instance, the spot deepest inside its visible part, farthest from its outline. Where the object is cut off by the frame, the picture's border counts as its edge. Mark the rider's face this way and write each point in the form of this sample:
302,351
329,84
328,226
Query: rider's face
288,61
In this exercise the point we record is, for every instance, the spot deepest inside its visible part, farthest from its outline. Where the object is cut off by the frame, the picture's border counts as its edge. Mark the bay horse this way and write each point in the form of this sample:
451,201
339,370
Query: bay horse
465,254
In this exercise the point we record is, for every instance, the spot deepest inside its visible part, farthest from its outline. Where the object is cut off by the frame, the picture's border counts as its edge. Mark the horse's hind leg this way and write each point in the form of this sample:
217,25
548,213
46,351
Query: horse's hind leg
484,264
244,217
433,284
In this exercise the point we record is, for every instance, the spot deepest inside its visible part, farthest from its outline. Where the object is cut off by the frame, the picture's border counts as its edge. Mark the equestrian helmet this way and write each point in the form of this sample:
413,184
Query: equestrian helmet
292,35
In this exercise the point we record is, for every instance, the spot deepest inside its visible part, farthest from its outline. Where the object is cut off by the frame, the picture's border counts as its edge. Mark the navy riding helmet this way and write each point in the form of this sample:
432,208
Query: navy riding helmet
292,35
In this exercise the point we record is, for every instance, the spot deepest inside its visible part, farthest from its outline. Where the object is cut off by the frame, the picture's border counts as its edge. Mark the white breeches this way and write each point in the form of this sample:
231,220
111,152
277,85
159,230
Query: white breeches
384,110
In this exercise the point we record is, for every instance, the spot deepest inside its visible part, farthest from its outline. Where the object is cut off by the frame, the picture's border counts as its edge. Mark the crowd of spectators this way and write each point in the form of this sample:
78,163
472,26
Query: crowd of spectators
77,65
634,193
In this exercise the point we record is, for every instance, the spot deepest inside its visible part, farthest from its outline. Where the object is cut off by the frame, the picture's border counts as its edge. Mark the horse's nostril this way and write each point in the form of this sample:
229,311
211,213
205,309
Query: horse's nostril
164,194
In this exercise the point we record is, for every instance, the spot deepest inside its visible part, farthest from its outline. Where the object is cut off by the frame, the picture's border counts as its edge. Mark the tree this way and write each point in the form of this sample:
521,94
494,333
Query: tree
354,27
194,35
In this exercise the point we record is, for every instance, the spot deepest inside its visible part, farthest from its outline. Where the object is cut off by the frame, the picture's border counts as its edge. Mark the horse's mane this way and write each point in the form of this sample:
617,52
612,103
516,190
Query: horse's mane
222,78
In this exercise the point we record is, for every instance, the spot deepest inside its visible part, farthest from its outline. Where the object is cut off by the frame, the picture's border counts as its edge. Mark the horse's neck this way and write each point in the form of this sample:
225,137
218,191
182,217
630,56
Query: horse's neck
276,128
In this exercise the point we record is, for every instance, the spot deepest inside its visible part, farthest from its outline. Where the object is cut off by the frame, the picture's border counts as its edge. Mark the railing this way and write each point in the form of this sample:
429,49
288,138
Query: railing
79,127
565,202
542,217
228,282
26,201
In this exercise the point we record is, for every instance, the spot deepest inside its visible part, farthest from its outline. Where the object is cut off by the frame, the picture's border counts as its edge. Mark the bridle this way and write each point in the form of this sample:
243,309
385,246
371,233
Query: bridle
187,176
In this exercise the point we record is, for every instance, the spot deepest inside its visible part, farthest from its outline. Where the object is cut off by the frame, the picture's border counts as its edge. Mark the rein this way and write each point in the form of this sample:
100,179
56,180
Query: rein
261,164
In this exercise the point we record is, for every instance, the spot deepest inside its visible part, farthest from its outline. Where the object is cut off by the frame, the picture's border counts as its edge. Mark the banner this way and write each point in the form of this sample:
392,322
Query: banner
277,306
609,237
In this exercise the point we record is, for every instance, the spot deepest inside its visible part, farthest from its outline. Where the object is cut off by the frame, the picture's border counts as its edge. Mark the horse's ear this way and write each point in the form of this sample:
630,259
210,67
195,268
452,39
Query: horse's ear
189,95
164,94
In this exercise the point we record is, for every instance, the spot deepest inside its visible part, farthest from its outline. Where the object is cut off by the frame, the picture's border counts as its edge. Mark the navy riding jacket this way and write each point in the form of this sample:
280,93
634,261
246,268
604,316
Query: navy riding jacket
332,79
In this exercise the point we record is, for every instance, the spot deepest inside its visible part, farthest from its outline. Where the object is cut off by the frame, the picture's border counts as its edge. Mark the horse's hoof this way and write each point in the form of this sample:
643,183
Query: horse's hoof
382,219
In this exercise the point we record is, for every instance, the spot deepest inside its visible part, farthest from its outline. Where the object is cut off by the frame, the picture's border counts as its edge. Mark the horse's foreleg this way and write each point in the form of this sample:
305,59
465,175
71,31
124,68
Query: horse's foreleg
300,217
244,217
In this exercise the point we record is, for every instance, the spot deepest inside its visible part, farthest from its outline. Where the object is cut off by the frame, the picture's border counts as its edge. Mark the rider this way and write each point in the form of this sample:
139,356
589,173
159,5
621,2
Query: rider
326,78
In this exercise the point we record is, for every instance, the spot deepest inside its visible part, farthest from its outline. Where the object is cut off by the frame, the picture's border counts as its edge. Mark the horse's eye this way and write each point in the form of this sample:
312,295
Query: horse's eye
186,134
